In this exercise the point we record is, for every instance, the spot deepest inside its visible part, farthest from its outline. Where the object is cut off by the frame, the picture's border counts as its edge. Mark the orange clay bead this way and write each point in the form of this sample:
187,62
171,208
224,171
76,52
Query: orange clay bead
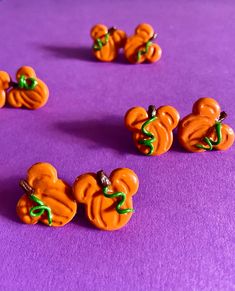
29,92
152,130
140,48
108,201
107,42
4,85
203,129
47,199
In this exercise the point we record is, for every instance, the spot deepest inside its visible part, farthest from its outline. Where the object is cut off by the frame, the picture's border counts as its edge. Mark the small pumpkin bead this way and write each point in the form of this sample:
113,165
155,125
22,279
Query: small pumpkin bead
203,129
107,42
4,86
108,201
140,47
30,92
47,199
152,129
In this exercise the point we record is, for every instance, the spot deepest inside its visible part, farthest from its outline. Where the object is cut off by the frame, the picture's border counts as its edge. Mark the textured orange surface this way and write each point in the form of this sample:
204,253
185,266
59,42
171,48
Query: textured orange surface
54,193
4,85
116,40
143,33
162,127
194,127
101,211
31,99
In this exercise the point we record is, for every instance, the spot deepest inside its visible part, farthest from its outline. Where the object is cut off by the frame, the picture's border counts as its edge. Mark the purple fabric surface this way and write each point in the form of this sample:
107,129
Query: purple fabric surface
182,234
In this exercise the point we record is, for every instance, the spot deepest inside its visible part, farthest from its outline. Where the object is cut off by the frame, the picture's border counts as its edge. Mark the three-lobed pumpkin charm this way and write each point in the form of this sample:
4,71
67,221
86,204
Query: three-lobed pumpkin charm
108,201
140,47
29,91
5,80
47,199
107,42
203,129
152,129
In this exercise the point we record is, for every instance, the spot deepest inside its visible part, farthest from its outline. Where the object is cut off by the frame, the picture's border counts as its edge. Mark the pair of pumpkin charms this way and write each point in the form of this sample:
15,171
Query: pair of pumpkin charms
50,200
201,130
138,48
29,91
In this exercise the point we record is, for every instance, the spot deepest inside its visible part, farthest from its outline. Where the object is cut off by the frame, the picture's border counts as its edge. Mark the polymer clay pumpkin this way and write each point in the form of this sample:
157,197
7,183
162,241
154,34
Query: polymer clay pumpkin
47,199
140,47
108,201
152,129
4,86
203,129
107,42
29,91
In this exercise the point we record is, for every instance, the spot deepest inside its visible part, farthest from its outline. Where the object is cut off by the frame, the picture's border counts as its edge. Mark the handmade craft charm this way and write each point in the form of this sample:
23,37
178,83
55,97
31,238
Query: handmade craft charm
107,42
29,91
108,201
140,47
152,129
4,86
203,130
47,199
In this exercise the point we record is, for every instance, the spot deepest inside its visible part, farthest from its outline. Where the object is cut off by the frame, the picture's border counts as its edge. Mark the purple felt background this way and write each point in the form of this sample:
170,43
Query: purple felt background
182,234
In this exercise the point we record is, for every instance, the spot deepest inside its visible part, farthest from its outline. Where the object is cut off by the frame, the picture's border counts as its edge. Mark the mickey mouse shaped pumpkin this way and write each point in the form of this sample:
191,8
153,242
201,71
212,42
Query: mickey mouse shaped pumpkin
47,199
4,86
140,47
152,129
203,129
29,91
107,42
108,201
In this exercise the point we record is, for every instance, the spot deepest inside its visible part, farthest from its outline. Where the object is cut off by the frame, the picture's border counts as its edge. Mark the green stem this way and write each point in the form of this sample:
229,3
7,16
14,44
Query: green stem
148,142
119,205
99,43
40,209
24,84
209,141
218,126
143,51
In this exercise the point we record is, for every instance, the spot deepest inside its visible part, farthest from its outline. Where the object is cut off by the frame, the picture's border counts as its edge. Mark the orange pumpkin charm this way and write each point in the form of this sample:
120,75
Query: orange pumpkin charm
140,47
108,201
203,129
4,86
152,129
47,199
107,42
29,92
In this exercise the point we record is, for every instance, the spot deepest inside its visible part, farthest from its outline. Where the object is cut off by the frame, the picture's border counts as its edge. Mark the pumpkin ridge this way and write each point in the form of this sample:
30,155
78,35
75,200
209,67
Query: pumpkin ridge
18,100
99,217
56,214
26,100
13,98
211,110
195,131
141,122
38,94
91,208
85,191
131,42
48,196
89,211
111,47
165,142
170,117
